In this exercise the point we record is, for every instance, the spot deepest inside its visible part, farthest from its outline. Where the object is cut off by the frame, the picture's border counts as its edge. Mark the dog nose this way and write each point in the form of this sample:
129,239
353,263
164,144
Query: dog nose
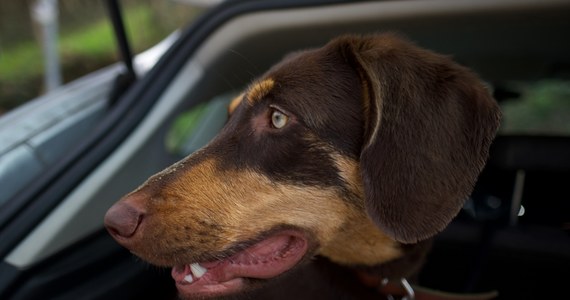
123,218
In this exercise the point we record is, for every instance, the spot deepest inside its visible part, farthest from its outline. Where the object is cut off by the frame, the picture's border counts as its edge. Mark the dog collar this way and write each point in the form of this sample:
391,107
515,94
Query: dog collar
403,290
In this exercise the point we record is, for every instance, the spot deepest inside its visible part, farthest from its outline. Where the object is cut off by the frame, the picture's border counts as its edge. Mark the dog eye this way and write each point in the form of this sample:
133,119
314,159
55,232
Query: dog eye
279,119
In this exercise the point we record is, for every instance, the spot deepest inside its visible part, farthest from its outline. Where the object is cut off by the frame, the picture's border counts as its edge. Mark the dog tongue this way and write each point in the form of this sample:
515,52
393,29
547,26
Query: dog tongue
266,259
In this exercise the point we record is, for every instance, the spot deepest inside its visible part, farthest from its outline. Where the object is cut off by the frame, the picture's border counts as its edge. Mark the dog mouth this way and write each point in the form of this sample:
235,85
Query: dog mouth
268,258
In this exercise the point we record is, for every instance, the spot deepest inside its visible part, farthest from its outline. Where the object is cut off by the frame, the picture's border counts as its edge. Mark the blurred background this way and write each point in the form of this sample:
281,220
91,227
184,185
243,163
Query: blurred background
68,153
83,39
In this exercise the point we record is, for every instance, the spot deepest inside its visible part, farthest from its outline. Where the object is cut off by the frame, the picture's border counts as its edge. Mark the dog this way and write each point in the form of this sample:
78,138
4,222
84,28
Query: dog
351,156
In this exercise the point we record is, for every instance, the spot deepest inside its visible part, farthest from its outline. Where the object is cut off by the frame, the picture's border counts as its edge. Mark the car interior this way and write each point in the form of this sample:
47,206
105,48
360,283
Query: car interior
513,235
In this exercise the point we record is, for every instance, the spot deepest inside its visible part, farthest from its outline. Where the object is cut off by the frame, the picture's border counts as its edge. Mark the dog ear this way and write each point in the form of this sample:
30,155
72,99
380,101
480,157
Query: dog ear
428,126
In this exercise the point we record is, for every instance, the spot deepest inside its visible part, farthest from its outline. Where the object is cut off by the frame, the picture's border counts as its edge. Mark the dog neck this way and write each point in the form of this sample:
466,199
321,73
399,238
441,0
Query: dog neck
407,265
366,249
360,242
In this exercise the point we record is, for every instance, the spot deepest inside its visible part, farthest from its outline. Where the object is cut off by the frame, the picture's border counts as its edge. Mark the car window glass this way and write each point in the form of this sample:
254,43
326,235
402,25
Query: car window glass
84,39
41,121
537,108
194,128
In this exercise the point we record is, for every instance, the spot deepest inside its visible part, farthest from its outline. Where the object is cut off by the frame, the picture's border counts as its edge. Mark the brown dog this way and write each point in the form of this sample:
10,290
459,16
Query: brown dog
347,152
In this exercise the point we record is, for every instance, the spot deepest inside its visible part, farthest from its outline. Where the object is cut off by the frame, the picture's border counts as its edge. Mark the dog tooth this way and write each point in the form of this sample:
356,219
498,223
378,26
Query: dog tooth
188,278
198,270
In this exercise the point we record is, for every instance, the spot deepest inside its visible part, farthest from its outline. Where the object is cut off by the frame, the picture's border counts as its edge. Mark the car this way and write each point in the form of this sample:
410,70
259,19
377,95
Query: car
513,234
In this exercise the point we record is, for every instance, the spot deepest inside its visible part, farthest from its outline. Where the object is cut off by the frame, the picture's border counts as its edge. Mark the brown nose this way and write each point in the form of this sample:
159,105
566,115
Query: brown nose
123,218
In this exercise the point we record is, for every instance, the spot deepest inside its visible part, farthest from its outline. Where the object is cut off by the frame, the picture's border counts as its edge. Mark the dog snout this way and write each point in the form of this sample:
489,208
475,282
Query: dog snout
124,218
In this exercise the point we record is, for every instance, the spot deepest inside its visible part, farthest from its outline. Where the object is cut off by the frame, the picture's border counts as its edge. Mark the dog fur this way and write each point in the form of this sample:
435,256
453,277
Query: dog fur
382,143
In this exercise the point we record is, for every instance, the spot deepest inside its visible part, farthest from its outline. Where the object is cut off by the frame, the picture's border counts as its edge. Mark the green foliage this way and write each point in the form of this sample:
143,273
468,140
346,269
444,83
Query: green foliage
183,127
543,108
85,46
95,41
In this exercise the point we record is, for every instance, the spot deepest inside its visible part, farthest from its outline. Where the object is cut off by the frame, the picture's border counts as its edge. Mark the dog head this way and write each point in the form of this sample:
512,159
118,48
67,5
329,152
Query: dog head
347,151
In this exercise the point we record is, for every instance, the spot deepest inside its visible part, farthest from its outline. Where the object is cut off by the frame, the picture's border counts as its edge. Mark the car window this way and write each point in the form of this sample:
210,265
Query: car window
83,36
41,122
537,108
193,129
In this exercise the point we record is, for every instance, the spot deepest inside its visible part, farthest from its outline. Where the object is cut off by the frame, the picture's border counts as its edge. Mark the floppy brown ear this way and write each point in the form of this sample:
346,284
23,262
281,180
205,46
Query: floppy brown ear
428,126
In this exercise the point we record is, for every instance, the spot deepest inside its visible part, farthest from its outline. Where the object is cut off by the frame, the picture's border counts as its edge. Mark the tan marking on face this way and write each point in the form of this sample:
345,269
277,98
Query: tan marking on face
349,171
234,103
259,90
231,207
360,242
207,210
